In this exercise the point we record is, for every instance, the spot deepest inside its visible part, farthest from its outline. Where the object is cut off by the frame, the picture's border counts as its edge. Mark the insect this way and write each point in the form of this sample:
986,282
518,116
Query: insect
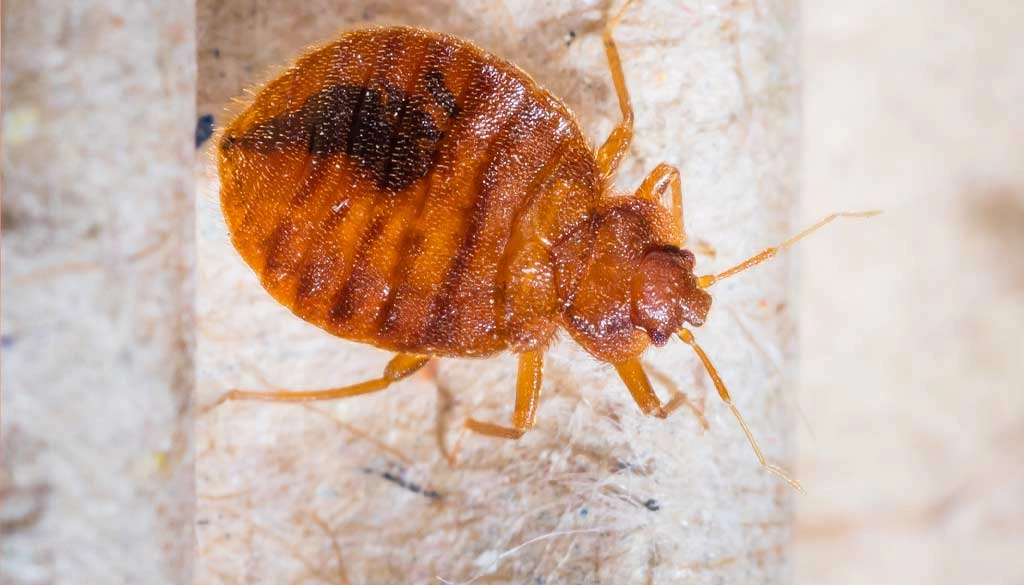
404,188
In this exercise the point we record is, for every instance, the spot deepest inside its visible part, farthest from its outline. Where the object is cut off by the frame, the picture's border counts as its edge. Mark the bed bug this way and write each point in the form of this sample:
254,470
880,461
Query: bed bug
406,189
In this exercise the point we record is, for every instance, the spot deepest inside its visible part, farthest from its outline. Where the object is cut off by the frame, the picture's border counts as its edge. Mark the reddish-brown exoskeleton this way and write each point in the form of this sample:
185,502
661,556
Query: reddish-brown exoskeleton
406,189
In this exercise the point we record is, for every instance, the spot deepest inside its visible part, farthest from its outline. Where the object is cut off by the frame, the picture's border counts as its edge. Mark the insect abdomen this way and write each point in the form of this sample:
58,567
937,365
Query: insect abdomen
387,200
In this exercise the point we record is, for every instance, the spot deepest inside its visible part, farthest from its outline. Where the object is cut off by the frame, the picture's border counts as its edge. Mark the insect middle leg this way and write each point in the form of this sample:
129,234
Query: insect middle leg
663,177
615,146
401,366
528,381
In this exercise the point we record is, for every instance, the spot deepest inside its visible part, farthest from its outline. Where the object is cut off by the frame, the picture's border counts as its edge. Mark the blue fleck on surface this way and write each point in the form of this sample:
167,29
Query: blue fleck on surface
204,129
7,341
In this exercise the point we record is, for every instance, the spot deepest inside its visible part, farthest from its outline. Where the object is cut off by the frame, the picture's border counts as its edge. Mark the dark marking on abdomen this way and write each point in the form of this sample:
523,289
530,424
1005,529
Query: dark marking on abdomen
441,94
277,246
445,321
391,135
361,282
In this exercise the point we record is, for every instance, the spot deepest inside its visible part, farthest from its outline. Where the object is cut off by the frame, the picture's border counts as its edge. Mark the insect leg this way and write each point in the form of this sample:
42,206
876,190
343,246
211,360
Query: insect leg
710,279
639,385
531,365
665,176
723,393
679,399
617,143
401,366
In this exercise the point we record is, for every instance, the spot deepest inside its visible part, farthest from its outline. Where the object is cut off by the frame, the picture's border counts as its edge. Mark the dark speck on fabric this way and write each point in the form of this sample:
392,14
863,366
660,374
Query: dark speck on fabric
204,129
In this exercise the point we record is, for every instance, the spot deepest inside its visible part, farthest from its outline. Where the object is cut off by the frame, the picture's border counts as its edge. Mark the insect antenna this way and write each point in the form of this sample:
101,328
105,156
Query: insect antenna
687,336
710,279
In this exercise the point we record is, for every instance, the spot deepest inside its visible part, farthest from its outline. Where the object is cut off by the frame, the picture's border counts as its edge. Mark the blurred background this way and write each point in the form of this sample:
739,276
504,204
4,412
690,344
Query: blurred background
911,371
912,360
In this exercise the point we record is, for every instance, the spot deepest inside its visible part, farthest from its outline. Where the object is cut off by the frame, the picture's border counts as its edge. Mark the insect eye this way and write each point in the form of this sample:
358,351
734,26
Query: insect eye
688,258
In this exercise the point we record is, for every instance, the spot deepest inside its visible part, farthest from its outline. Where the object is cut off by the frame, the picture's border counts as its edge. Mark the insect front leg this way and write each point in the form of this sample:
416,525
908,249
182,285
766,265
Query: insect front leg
640,388
401,366
662,178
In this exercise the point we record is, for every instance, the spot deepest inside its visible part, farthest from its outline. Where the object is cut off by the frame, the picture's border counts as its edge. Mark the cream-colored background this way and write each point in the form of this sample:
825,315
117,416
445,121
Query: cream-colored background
911,377
96,478
912,360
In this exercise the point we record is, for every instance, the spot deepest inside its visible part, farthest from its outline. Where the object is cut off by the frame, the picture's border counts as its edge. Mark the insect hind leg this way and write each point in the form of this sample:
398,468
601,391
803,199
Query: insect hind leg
401,366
